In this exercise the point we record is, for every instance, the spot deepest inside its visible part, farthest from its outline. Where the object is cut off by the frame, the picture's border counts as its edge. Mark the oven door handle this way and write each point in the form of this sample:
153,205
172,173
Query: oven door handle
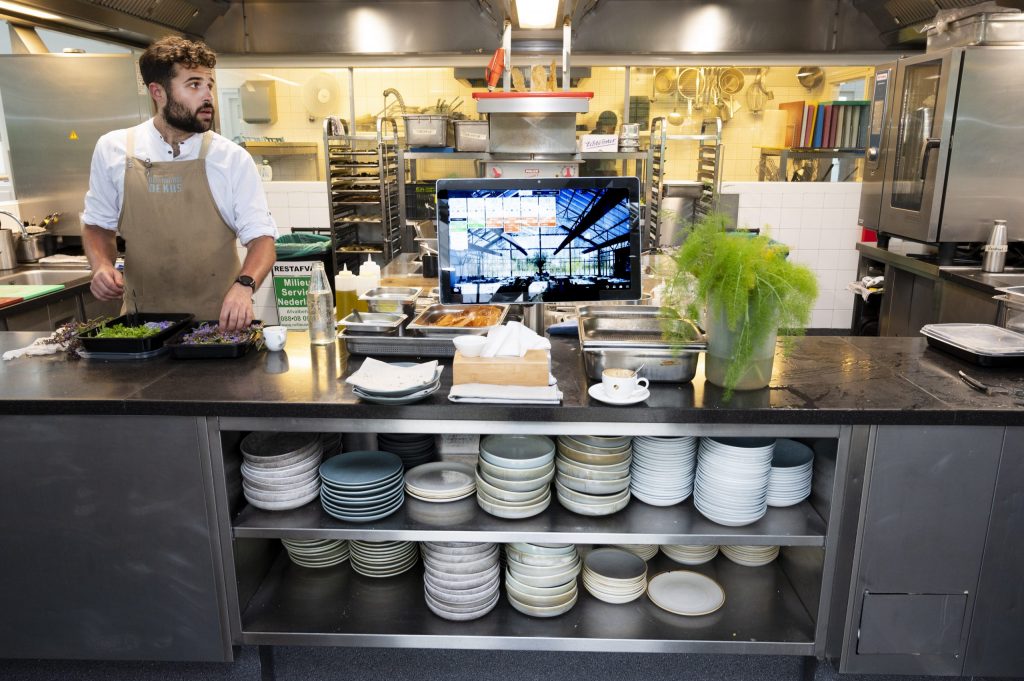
929,144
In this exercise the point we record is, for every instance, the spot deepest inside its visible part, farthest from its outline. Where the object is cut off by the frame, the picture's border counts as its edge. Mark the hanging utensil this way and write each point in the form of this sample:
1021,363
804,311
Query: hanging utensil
757,97
731,80
688,86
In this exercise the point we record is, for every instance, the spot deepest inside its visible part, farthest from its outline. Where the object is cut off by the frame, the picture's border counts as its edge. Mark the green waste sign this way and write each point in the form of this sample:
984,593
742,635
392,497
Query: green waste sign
291,282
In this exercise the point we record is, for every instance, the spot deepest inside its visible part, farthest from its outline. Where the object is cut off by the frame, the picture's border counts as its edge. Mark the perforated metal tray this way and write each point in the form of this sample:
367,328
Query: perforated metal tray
636,326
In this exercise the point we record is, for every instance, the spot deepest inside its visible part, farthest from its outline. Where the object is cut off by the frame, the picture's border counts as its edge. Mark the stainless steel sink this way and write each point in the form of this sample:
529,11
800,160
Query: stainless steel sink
40,276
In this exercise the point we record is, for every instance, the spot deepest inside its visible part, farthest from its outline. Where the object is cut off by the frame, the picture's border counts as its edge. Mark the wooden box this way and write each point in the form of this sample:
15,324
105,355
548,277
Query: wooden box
532,369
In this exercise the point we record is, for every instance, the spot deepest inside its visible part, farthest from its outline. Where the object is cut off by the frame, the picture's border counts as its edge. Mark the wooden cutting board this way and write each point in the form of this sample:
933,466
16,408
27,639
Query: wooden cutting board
28,292
4,302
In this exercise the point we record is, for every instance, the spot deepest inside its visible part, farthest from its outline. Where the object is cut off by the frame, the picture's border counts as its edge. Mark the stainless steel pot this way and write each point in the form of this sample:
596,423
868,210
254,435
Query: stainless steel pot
32,247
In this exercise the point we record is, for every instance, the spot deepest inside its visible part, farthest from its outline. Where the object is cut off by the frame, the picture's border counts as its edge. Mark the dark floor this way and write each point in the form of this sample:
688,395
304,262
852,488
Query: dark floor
375,664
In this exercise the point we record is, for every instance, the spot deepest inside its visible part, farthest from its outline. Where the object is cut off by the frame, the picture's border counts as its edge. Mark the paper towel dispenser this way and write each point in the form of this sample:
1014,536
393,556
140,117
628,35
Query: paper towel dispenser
259,101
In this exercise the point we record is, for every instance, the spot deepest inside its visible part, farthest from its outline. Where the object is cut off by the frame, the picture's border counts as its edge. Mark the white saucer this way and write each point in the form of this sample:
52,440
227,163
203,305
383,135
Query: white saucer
597,392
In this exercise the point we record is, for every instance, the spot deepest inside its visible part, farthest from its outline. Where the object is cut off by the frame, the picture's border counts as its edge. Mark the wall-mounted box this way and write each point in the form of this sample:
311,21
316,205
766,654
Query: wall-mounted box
259,101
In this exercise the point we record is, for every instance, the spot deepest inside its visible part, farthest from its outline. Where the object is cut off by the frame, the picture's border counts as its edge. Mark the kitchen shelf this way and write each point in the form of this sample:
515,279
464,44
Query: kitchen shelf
464,520
486,156
763,614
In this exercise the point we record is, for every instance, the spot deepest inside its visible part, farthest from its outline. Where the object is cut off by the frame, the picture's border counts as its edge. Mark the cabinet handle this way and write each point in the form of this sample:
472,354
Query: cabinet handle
930,143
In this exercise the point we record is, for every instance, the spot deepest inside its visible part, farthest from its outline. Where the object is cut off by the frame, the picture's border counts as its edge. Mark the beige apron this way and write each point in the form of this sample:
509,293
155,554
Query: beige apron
179,253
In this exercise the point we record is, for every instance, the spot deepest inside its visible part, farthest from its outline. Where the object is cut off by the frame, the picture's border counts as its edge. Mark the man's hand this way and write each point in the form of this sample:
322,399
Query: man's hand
107,283
236,312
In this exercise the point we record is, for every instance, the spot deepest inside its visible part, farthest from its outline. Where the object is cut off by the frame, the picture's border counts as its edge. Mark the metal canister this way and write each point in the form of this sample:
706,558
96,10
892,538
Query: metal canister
8,258
995,250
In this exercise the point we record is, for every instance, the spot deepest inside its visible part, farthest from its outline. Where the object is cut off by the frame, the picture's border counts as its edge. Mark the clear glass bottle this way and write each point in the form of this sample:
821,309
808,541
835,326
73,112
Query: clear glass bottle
320,306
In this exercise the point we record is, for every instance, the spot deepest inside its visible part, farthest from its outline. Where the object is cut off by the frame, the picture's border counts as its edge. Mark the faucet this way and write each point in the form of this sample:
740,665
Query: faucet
14,217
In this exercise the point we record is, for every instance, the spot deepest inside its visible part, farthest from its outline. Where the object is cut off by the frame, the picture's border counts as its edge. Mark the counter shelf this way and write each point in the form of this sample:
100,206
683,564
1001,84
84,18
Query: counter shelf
763,613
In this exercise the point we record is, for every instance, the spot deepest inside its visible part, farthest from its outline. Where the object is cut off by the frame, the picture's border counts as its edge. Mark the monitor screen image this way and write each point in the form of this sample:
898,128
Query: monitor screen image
538,240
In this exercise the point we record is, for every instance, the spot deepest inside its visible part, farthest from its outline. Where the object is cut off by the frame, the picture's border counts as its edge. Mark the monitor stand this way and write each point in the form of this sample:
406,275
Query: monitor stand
533,318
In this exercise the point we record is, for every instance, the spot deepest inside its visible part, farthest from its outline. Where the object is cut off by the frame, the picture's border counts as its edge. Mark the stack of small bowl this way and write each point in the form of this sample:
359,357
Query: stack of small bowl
792,467
513,478
279,470
414,450
593,473
614,575
662,469
751,556
460,580
731,485
317,553
540,579
362,486
383,558
690,554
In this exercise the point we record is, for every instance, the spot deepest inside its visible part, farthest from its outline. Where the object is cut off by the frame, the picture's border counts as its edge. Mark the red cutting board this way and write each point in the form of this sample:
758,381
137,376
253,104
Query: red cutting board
4,302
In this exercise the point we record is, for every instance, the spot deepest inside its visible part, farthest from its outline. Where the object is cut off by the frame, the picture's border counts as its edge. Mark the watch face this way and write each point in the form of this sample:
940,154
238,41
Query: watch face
245,280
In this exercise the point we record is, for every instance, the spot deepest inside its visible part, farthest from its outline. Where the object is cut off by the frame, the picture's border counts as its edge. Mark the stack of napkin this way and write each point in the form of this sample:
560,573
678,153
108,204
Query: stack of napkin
380,377
511,340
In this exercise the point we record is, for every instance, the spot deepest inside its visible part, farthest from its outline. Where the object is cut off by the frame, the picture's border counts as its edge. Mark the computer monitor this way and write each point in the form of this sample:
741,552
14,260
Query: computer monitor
552,240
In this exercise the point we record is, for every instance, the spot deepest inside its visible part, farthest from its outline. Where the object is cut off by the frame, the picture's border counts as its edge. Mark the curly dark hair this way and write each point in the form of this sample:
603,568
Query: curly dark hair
159,62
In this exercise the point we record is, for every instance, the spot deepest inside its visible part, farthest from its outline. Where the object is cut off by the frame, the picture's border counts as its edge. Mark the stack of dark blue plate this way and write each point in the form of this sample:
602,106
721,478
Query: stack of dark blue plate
362,486
412,449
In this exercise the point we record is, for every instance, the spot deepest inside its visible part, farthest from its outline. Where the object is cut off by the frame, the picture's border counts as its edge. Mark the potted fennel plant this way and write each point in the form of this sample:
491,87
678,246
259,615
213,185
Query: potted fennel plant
748,291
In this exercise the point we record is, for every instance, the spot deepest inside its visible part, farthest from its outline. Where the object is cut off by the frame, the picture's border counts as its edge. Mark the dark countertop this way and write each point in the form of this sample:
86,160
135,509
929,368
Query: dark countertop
969,276
824,380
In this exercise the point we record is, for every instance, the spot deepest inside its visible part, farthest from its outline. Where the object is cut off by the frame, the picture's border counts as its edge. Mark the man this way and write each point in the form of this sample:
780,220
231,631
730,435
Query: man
180,195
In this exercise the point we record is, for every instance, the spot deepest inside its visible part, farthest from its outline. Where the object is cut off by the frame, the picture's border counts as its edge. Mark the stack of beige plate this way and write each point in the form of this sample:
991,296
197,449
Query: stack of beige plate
751,556
383,558
614,575
440,481
645,551
540,579
593,473
513,480
460,579
317,553
690,554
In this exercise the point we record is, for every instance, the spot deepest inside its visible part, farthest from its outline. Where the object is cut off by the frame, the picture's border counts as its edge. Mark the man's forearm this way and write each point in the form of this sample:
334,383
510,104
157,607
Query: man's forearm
100,246
259,258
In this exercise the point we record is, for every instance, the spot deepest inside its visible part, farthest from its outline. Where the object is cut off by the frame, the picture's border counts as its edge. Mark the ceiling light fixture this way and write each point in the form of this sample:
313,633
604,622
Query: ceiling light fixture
537,13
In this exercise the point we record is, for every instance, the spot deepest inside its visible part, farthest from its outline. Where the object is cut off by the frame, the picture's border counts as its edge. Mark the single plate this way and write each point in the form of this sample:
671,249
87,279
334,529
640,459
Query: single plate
686,593
597,391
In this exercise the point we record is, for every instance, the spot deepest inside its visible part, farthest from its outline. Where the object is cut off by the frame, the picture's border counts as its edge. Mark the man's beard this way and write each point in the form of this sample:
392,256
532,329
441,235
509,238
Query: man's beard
178,115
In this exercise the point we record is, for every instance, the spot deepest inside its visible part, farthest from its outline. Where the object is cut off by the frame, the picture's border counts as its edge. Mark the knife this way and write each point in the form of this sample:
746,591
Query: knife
981,387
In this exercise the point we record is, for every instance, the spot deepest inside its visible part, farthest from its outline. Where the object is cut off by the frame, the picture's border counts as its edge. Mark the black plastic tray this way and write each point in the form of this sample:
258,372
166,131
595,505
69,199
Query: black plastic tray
974,357
135,345
181,350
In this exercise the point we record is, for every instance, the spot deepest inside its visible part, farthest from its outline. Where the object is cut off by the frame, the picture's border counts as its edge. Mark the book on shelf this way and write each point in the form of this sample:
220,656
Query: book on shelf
794,122
819,125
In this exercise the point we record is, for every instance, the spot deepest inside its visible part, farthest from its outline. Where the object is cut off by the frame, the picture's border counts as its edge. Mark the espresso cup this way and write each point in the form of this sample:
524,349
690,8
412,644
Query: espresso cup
274,337
622,384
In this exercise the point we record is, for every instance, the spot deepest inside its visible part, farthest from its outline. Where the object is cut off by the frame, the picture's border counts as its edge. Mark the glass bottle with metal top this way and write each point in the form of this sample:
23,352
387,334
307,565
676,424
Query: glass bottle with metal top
320,306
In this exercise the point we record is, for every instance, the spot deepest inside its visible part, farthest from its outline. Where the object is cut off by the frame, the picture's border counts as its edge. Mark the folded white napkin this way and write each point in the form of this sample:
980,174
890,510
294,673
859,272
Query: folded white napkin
40,346
377,376
505,394
513,340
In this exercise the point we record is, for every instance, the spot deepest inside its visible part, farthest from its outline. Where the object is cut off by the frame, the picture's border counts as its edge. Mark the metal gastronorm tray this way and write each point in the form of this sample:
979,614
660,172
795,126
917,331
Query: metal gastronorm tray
426,326
405,346
635,326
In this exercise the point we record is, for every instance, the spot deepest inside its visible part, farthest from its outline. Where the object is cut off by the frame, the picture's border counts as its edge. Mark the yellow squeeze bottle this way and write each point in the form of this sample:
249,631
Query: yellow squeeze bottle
344,293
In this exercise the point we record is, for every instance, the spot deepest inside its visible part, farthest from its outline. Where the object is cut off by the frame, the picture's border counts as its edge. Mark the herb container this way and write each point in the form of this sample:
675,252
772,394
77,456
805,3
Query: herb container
182,349
93,344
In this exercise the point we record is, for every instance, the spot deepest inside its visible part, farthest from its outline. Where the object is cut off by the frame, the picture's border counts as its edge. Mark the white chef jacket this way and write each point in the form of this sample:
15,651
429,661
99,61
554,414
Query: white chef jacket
234,181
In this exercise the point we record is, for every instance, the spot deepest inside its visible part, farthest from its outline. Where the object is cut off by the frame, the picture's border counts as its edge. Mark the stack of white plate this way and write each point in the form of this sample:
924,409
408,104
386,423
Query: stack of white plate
460,580
279,470
751,556
662,469
396,383
317,553
645,551
540,579
593,474
614,575
690,554
792,468
514,475
383,558
440,481
362,486
731,485
412,449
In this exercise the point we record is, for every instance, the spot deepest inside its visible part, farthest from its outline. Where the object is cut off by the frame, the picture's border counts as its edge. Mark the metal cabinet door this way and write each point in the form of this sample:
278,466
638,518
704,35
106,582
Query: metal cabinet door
922,534
107,535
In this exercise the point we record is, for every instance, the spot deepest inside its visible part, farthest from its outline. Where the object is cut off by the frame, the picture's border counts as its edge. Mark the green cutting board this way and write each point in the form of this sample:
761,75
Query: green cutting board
28,291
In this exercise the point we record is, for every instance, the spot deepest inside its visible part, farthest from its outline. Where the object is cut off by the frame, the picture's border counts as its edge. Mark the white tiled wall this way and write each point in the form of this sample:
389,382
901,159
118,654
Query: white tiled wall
292,204
818,221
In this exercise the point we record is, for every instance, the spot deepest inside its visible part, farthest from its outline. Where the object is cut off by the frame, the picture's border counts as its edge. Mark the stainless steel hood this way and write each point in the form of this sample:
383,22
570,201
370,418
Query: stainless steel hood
464,27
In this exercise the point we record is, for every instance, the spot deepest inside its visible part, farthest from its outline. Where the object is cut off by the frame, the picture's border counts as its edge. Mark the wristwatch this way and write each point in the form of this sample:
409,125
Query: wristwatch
246,280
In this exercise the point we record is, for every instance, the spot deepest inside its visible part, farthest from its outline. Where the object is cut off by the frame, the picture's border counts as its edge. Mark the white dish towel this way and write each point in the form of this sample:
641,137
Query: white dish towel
505,394
40,346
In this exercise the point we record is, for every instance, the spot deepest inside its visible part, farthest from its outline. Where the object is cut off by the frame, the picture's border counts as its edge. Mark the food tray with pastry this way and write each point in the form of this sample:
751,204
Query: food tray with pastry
448,321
